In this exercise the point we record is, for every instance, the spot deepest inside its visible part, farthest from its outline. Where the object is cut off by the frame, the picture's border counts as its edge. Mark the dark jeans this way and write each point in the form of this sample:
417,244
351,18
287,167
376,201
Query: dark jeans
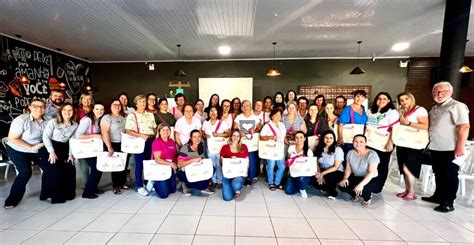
294,185
230,186
93,179
330,182
22,163
254,163
446,175
382,168
59,180
119,178
166,187
199,185
372,187
145,155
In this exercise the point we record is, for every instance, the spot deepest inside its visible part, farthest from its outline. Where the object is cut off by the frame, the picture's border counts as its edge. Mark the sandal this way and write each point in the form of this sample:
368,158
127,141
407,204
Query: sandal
409,197
402,194
8,207
126,187
272,187
117,191
280,187
366,203
237,194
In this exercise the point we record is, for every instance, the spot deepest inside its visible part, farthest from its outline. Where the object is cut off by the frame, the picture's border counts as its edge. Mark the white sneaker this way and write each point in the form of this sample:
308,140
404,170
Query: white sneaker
208,191
303,194
142,191
331,198
149,186
186,191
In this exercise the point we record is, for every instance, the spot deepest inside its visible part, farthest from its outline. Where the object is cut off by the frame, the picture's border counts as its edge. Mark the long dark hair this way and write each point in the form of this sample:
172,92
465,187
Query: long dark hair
156,101
190,142
208,108
288,95
59,117
128,98
320,147
91,114
232,106
221,108
305,144
276,104
209,113
374,108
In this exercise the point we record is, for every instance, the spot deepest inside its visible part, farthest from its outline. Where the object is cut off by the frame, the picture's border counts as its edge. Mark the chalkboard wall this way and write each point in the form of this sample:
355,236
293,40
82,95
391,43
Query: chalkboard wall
44,70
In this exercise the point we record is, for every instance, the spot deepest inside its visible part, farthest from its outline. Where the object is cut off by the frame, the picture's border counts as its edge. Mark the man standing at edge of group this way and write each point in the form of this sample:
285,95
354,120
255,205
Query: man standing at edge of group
449,129
55,100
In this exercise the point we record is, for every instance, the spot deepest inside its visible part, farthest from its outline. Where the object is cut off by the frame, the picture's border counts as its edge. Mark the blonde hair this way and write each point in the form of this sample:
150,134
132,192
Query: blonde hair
410,107
83,96
239,144
137,98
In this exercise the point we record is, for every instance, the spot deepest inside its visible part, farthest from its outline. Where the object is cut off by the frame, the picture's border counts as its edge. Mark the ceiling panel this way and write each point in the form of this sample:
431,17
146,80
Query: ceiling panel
137,30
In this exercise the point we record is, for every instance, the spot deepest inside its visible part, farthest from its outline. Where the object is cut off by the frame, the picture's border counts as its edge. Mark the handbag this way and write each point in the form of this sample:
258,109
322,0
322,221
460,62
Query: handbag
155,171
198,171
271,149
235,167
410,137
114,163
86,148
251,141
377,138
304,167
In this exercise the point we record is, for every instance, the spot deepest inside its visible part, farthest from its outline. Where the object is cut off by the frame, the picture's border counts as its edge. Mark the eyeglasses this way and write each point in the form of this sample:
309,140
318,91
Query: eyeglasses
442,92
38,107
116,104
213,112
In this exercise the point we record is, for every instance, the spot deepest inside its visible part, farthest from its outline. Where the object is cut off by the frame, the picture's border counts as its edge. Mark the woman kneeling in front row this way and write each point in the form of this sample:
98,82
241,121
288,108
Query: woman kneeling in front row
360,175
294,185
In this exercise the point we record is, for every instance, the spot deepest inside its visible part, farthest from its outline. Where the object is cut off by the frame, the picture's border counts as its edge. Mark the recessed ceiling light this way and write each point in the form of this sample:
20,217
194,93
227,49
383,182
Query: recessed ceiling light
400,46
224,50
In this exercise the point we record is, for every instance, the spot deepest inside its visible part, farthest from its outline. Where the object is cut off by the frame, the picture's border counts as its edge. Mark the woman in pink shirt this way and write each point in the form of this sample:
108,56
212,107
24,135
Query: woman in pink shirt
164,152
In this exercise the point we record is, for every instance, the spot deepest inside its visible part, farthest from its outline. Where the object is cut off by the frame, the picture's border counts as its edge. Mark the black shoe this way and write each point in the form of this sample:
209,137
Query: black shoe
99,191
432,199
444,208
58,201
93,196
247,182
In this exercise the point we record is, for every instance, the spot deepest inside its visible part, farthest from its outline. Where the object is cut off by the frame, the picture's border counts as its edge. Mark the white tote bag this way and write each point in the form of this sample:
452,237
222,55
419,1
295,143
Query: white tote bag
235,167
114,163
377,138
131,144
410,137
251,141
270,150
351,130
198,171
304,167
155,171
86,148
214,144
313,142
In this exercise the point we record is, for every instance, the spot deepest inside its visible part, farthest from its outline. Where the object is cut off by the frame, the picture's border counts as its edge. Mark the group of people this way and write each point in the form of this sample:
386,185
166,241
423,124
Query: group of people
187,133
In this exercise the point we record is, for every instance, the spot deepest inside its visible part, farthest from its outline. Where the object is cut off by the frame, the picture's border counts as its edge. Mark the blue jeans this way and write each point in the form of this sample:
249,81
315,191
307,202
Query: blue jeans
254,161
294,185
22,162
93,179
165,187
217,177
229,186
271,168
145,155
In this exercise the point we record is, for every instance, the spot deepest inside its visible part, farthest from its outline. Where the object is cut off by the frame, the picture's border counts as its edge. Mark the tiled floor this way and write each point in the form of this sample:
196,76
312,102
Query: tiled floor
259,216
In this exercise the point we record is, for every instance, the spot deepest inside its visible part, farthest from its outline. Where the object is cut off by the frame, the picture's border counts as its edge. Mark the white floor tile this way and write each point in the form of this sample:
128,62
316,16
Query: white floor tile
459,215
345,242
127,206
383,242
255,240
450,231
254,226
319,212
217,240
251,196
422,213
331,229
11,217
143,223
188,208
15,236
371,230
284,210
68,206
82,238
386,212
73,222
277,196
219,208
292,227
412,231
251,209
216,225
32,204
108,223
96,206
354,211
469,225
130,238
51,237
179,224
39,221
155,206
297,241
165,239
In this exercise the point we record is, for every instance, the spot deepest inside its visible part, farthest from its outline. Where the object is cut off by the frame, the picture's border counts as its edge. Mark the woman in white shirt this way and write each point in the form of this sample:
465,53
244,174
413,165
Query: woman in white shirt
381,117
213,128
275,131
185,125
299,149
330,169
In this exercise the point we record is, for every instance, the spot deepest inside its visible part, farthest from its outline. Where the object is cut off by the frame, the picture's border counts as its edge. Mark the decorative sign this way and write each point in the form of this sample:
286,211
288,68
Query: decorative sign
331,92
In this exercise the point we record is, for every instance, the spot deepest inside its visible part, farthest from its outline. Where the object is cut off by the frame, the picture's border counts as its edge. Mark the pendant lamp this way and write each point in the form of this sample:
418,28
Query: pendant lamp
180,72
465,69
357,70
274,72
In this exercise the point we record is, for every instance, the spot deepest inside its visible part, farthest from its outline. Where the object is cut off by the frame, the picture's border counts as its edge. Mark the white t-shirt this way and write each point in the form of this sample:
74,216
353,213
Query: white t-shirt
247,123
184,129
419,112
264,117
292,152
208,128
177,114
382,119
280,131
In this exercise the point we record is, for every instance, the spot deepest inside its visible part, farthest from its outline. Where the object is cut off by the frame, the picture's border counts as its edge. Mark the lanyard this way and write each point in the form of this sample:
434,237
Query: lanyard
292,160
92,126
273,130
218,126
136,122
162,120
316,125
